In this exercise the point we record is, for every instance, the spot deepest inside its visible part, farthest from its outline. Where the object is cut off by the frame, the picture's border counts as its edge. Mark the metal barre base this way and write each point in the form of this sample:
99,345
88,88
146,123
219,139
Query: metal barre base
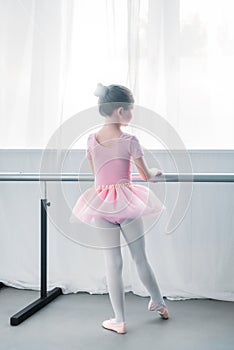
34,307
2,284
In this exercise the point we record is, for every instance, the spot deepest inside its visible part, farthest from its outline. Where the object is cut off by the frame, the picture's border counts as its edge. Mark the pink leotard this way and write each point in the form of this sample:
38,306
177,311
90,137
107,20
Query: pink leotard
113,196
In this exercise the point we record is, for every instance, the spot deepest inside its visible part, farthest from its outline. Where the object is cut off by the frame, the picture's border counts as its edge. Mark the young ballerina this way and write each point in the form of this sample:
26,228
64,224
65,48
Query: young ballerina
116,204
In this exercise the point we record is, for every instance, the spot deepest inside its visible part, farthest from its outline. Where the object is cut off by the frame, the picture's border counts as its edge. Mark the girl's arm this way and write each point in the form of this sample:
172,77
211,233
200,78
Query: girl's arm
145,172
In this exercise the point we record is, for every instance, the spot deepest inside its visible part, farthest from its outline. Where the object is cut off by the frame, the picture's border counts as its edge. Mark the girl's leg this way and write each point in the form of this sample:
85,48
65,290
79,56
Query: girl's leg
134,228
109,237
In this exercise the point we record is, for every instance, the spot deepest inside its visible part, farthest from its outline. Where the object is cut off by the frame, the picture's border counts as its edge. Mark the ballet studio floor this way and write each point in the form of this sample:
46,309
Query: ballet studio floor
73,321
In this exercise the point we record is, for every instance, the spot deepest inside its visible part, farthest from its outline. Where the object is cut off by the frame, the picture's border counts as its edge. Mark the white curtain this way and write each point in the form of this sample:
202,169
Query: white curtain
35,46
176,56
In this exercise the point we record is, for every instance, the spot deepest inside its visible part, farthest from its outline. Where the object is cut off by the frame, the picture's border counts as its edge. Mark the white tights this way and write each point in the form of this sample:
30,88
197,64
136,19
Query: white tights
109,234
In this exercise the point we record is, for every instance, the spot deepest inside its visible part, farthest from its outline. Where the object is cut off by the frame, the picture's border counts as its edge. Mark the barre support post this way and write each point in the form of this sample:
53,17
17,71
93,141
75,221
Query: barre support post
45,297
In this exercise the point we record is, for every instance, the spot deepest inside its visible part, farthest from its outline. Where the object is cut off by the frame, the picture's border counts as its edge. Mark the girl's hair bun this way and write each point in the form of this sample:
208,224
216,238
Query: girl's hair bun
101,90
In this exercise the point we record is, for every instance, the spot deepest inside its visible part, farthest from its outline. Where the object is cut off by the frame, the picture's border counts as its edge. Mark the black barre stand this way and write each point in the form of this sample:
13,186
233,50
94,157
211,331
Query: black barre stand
46,297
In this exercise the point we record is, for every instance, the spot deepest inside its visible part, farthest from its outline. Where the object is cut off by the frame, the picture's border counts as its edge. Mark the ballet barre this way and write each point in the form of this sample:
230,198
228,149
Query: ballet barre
47,296
168,177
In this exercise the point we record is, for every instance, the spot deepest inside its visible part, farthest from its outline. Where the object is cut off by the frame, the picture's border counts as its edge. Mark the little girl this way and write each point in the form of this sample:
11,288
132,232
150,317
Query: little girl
116,204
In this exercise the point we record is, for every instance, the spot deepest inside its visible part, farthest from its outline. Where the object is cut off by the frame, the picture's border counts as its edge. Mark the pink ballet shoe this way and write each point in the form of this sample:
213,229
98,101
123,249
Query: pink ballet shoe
161,308
119,327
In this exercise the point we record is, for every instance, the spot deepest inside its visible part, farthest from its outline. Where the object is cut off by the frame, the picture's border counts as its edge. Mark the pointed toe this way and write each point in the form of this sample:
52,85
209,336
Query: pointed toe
161,308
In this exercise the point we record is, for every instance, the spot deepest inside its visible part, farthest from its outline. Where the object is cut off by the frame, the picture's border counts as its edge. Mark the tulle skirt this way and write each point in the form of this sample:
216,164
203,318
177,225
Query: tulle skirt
115,203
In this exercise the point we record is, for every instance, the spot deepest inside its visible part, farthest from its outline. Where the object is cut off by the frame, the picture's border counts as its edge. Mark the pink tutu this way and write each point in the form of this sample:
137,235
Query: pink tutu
115,203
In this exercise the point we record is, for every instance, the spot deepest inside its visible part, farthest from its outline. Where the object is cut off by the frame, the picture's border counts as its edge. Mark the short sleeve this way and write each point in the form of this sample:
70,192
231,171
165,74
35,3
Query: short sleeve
135,148
88,150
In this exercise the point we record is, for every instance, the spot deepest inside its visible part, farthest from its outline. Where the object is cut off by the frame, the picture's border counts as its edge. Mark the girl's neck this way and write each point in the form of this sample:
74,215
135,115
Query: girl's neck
114,127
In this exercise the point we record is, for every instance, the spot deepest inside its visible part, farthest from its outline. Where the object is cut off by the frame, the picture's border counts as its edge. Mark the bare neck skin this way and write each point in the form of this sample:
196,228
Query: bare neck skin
113,123
110,129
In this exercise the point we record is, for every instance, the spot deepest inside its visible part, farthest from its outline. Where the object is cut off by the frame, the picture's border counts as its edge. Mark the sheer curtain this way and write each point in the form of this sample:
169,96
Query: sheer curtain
206,74
54,53
176,56
35,45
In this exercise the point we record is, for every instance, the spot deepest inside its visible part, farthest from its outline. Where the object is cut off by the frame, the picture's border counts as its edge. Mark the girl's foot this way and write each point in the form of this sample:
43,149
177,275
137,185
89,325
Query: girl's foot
161,308
111,324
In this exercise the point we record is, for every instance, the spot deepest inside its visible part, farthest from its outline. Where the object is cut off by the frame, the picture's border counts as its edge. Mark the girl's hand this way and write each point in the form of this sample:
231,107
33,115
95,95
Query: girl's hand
154,172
